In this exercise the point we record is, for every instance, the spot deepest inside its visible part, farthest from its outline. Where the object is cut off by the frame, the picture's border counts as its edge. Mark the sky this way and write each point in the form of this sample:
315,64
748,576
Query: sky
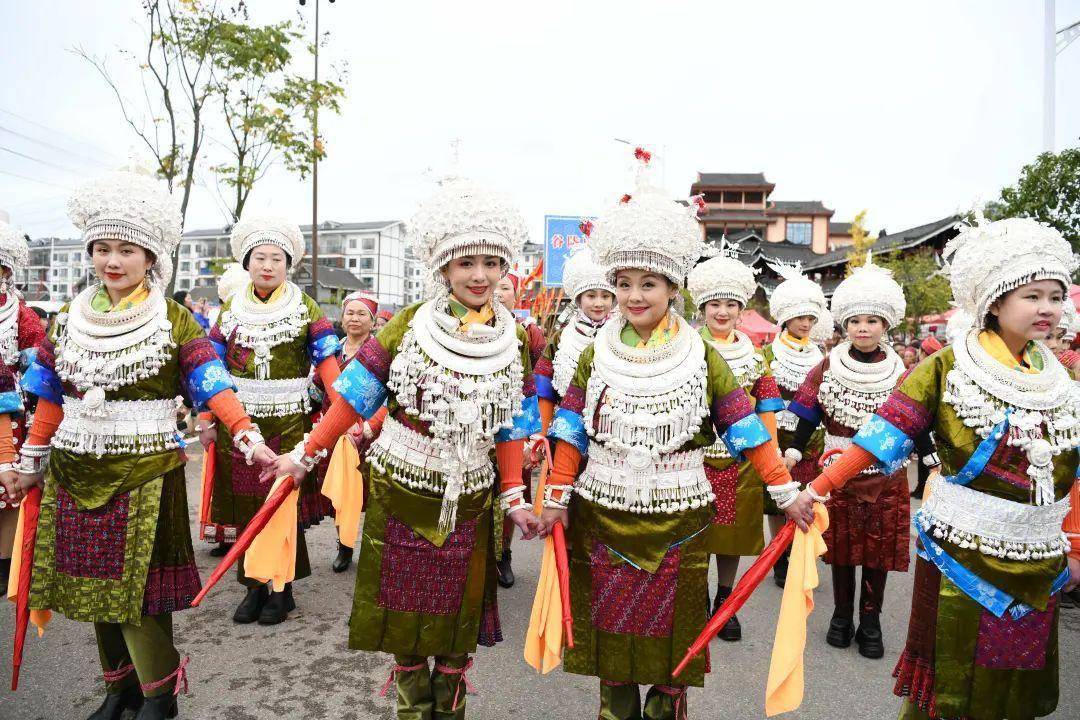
909,110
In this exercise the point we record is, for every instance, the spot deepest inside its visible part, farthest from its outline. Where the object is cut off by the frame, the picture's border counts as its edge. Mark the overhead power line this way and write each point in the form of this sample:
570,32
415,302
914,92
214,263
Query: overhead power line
69,153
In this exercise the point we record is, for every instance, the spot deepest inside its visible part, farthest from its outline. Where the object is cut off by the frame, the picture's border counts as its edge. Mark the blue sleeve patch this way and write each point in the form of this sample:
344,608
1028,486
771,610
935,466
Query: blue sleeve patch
749,432
545,389
886,442
43,382
525,425
769,405
321,348
361,389
26,358
810,414
11,402
219,348
206,381
569,426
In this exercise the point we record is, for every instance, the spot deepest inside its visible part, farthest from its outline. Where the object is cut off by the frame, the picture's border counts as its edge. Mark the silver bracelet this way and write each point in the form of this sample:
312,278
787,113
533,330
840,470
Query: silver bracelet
793,454
514,499
246,440
33,459
7,467
931,460
784,495
300,457
564,500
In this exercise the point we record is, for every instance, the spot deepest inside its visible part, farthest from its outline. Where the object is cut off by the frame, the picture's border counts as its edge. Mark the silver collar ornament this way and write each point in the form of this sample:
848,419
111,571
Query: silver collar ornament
263,326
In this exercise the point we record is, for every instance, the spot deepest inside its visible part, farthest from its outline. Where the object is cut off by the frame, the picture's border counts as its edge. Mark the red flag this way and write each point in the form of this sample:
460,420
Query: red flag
562,566
273,501
31,510
743,589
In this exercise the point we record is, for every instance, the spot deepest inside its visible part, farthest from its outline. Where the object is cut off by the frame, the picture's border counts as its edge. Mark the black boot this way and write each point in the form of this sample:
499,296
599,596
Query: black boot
840,632
158,707
779,570
506,571
116,704
277,608
732,630
871,643
250,607
220,550
5,571
343,560
1070,599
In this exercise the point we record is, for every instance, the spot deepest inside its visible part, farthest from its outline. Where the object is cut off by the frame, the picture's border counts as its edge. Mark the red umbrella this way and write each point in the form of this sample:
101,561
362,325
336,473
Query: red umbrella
207,486
562,567
31,510
273,501
743,589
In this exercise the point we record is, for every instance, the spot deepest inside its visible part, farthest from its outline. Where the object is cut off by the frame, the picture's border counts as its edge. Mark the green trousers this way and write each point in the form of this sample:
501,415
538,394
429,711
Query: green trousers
622,701
133,655
425,693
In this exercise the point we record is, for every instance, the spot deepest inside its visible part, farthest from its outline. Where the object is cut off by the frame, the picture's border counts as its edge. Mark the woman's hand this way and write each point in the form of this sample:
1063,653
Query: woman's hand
550,516
802,510
1074,574
528,523
10,482
207,435
790,463
25,482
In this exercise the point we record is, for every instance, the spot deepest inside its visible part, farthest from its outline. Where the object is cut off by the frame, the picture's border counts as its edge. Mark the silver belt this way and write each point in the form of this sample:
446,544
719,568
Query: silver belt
642,484
411,459
992,525
273,398
118,427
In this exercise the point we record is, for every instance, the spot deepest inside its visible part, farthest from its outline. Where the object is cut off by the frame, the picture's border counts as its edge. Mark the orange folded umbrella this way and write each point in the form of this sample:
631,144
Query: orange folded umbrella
262,516
31,508
207,495
743,589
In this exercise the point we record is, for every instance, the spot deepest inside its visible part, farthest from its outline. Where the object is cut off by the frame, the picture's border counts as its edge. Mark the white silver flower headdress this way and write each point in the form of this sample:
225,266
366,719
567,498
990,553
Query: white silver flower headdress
869,290
132,205
796,295
988,259
255,229
647,230
723,277
1070,320
464,218
14,252
582,273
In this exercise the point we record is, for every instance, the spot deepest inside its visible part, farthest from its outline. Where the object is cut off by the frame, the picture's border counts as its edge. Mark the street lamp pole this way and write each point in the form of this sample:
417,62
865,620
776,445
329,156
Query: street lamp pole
315,164
1054,42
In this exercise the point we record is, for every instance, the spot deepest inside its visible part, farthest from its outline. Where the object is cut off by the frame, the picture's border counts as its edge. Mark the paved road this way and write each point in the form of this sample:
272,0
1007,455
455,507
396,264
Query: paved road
302,669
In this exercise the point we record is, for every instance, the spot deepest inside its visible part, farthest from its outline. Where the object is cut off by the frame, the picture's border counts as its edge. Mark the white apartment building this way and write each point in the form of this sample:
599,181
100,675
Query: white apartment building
58,269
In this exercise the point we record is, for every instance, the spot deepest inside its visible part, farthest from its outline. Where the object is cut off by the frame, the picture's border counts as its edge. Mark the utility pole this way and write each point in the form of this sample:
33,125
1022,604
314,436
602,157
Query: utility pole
1054,42
315,165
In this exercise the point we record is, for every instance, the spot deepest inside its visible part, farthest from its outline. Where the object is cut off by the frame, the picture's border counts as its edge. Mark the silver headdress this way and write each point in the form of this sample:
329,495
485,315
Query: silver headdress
463,218
234,278
132,205
1070,321
723,277
797,295
988,259
256,229
582,273
648,231
14,253
869,290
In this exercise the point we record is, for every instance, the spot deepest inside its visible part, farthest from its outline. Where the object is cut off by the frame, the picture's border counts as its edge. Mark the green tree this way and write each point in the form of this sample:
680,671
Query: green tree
861,242
925,289
267,111
1047,190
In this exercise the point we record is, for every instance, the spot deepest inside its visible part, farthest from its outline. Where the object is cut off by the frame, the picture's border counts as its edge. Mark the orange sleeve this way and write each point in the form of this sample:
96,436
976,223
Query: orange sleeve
376,421
547,411
850,463
47,418
509,456
340,417
7,446
564,466
767,461
328,371
226,407
206,417
1071,526
769,421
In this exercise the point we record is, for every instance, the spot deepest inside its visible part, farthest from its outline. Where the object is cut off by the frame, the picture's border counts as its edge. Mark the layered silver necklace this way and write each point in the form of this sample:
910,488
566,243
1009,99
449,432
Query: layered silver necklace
791,365
9,328
99,351
1043,408
576,336
851,391
746,363
261,326
466,383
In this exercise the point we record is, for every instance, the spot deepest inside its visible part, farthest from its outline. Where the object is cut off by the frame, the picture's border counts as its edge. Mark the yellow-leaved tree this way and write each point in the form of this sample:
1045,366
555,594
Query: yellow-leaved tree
861,242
